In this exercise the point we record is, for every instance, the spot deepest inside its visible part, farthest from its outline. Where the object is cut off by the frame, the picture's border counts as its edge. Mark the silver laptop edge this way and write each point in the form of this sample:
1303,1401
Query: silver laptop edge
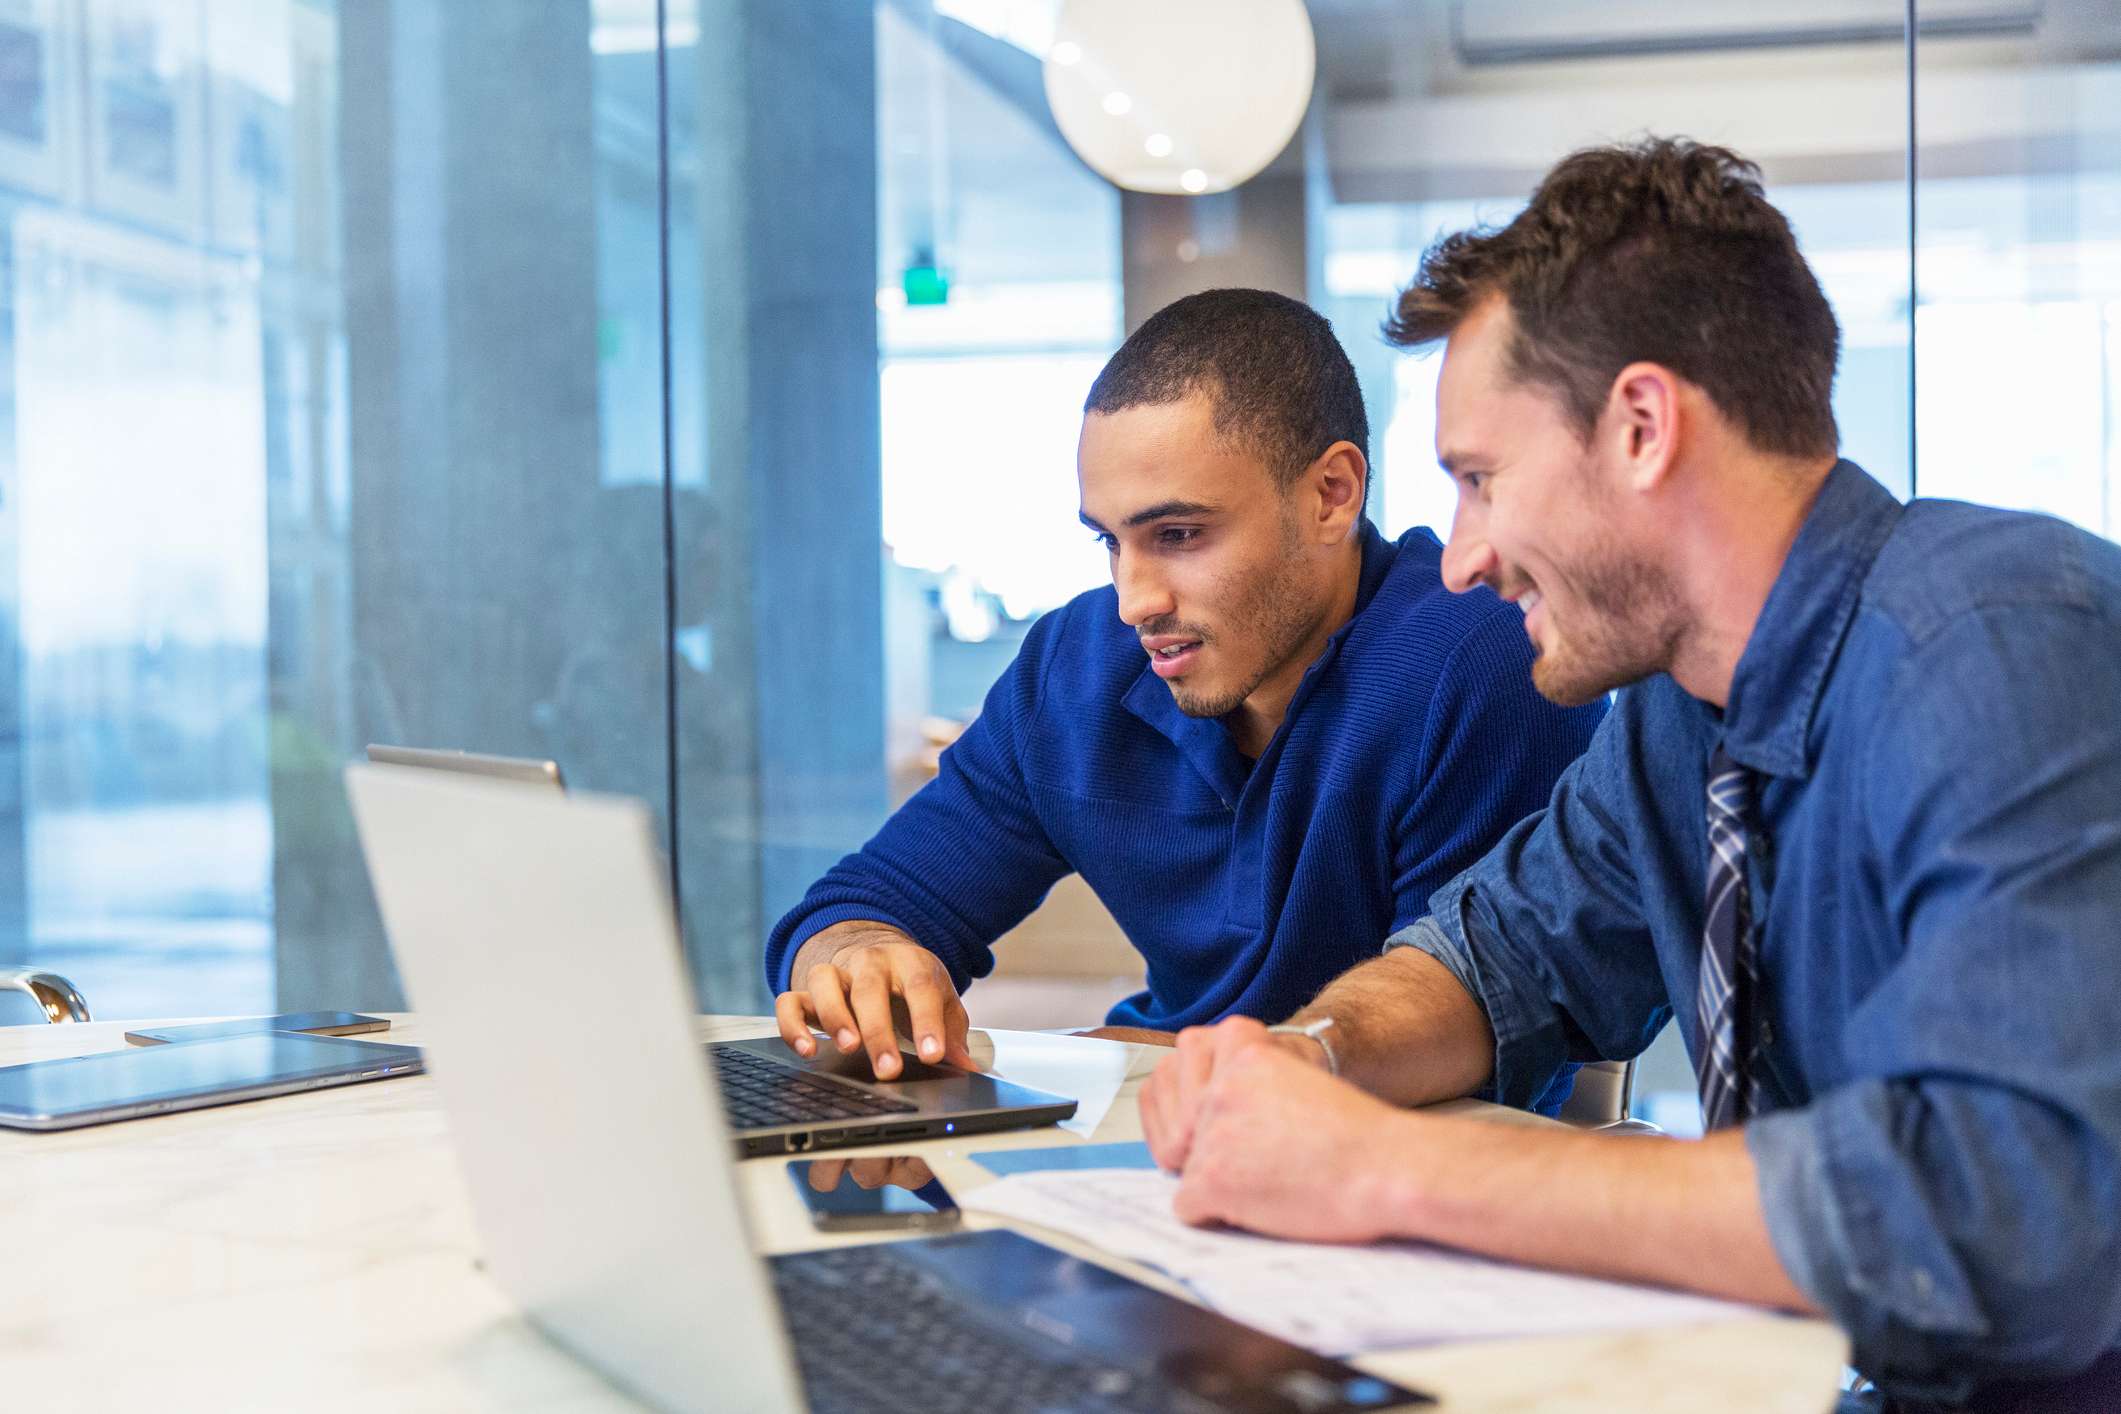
520,769
491,895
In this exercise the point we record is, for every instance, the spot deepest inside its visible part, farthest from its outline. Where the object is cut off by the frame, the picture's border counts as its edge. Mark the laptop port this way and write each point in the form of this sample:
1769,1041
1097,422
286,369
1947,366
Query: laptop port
797,1143
904,1131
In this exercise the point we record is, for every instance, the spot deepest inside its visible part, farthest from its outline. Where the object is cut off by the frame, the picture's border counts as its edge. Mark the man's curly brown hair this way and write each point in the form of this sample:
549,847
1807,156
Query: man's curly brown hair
1663,251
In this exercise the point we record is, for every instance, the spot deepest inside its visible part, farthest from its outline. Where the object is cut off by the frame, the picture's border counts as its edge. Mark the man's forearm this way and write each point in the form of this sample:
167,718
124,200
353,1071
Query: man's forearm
1279,1148
1405,1029
1636,1209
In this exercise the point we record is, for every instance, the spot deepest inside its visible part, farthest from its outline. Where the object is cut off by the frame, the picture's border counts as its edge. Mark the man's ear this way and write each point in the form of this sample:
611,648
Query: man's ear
1340,482
1643,417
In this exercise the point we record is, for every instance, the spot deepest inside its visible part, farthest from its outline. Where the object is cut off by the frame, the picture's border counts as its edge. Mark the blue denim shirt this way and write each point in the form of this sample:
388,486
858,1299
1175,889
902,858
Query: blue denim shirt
1932,697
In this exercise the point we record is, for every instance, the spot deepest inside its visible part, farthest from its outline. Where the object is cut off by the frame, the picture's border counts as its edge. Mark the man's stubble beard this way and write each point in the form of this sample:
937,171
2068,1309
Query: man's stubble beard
1276,612
1634,626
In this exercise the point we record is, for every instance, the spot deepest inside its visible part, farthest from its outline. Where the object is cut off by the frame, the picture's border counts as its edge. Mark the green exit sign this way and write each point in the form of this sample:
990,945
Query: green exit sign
926,284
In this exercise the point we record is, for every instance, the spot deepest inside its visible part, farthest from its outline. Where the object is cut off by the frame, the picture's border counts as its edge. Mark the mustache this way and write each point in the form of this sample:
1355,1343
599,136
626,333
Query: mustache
1174,629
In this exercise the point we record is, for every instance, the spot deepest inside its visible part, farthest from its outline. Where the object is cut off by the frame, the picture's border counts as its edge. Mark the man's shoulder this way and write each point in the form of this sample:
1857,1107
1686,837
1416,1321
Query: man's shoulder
1946,560
1414,629
1102,656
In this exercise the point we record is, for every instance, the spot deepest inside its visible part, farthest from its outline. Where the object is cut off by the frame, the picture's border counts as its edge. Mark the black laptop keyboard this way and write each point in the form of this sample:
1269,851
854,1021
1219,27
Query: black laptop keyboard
758,1093
875,1333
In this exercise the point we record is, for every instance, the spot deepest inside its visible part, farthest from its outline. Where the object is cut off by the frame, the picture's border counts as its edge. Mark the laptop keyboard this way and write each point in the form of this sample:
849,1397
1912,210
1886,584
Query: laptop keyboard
878,1334
758,1093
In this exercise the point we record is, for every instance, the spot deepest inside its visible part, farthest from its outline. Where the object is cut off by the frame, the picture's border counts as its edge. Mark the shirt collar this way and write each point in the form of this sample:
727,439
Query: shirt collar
1377,556
1783,671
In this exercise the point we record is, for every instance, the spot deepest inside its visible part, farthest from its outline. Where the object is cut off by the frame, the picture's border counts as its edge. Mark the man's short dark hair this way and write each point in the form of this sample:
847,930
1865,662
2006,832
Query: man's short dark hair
1665,251
1280,383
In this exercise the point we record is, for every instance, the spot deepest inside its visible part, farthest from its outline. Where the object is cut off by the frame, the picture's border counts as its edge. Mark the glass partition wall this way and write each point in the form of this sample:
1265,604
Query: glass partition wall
2018,265
686,389
334,415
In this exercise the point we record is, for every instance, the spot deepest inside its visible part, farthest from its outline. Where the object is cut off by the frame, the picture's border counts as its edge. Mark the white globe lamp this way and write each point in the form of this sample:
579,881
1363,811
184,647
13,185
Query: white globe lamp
1180,97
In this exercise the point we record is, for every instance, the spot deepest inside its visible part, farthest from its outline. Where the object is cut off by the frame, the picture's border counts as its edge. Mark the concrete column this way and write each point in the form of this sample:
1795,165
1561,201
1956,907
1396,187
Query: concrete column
1255,236
781,750
471,325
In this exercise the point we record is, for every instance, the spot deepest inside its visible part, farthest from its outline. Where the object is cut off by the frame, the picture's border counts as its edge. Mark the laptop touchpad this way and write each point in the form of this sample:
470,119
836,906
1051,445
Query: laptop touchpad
829,1061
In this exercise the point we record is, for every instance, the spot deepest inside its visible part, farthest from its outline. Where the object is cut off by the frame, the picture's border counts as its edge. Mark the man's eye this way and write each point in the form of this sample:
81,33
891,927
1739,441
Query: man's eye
1178,534
1108,540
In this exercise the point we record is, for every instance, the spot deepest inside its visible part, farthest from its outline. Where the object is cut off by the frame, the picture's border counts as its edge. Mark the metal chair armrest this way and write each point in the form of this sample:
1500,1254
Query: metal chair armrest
1603,1089
59,998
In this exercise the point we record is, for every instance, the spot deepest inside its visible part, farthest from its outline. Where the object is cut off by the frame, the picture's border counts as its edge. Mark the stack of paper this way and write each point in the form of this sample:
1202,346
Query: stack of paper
1339,1300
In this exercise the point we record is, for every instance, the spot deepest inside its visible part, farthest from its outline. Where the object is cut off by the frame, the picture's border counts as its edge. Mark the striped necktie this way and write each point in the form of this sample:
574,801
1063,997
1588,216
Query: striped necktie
1726,1042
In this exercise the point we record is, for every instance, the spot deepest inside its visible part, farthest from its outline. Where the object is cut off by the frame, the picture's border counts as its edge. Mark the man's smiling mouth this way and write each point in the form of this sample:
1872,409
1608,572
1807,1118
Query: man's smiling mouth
1169,653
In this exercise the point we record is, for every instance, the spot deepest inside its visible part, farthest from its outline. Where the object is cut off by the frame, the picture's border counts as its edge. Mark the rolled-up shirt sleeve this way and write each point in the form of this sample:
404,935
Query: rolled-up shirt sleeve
1547,934
1948,1270
1953,1203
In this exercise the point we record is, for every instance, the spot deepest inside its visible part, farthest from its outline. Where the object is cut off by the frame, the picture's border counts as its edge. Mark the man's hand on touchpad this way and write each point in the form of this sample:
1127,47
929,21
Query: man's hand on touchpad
864,994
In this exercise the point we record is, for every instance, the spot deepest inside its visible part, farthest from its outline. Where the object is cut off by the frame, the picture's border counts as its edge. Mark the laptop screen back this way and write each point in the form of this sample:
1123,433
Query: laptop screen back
589,1136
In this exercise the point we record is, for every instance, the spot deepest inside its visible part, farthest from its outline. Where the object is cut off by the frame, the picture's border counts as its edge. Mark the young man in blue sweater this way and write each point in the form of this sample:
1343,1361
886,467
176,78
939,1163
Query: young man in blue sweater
1263,746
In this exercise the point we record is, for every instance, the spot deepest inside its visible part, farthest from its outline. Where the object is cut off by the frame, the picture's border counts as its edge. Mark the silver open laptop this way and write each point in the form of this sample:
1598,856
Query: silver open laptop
777,1102
604,1191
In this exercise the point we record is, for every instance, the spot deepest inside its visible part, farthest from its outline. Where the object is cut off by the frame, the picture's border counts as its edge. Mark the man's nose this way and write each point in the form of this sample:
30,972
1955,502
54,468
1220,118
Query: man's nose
1468,559
1143,595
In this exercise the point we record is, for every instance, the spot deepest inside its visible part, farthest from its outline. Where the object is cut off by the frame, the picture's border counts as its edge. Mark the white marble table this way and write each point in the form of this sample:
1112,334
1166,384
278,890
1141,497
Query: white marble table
316,1252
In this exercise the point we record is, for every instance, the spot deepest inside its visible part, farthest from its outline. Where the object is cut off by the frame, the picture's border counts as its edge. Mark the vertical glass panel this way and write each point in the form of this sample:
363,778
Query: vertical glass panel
890,288
331,415
499,550
984,365
146,211
776,502
983,381
2018,330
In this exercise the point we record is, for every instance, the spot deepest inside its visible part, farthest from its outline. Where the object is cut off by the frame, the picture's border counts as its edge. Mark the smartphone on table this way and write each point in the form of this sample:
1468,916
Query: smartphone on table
873,1193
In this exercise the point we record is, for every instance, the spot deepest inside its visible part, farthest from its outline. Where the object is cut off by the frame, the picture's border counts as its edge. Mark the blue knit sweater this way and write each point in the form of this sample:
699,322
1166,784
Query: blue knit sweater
1412,743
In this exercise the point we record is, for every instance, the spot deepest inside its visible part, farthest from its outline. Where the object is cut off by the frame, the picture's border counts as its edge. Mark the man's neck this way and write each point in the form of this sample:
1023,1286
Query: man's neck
1738,536
1255,720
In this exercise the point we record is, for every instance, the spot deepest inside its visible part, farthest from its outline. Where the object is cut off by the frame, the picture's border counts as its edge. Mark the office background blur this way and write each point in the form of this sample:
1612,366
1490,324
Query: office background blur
688,392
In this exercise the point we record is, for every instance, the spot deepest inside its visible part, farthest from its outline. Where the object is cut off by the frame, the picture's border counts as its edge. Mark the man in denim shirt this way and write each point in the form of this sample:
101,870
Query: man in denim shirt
1855,823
